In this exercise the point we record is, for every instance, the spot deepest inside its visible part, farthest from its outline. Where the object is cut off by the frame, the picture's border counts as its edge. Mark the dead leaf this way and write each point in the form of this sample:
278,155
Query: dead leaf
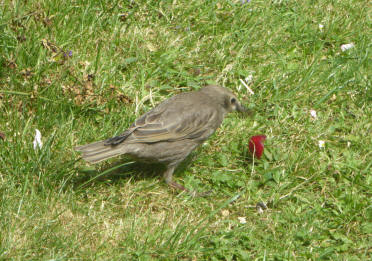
88,88
78,99
11,64
19,106
84,64
73,92
21,38
15,25
119,96
123,98
83,91
2,135
46,82
26,73
123,17
49,46
225,213
151,47
47,21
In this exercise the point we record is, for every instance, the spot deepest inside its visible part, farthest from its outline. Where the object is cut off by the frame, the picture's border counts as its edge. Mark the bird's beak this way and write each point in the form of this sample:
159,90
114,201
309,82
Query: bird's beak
241,108
246,112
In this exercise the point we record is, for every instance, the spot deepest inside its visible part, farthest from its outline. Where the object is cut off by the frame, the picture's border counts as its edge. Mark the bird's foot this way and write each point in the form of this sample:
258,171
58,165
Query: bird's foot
203,194
191,193
177,186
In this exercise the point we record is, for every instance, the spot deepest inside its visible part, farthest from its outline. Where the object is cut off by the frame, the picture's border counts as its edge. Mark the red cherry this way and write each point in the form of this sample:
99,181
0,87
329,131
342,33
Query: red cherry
256,145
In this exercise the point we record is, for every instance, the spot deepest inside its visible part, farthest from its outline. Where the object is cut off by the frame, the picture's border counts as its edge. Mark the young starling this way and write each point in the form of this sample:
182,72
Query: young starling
171,131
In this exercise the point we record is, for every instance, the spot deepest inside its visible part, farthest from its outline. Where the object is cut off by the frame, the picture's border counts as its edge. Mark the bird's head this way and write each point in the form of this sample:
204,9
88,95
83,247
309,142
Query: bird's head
226,98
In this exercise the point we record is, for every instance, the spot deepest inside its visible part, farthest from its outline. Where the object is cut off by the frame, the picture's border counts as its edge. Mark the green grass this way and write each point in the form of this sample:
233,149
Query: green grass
129,55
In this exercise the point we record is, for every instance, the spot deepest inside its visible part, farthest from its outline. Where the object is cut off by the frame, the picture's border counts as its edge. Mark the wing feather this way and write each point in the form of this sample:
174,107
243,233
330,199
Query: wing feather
173,120
185,126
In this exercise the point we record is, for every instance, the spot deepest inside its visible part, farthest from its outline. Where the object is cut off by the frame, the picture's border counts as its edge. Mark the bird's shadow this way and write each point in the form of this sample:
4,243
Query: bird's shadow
123,169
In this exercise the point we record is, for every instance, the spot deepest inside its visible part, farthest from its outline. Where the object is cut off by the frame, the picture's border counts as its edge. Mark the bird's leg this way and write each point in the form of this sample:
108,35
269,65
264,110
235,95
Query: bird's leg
168,176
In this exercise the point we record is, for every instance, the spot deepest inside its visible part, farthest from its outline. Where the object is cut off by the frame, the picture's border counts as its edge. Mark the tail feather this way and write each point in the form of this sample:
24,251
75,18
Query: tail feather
98,151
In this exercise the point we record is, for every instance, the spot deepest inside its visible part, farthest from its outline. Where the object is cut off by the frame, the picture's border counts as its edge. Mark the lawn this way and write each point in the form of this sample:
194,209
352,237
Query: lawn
82,71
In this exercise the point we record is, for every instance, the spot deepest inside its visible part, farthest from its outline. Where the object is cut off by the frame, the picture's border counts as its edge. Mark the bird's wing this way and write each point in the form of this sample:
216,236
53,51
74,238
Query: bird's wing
185,116
188,124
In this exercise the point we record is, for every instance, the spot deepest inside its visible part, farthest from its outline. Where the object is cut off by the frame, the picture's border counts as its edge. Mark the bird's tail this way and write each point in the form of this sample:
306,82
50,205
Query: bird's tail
98,151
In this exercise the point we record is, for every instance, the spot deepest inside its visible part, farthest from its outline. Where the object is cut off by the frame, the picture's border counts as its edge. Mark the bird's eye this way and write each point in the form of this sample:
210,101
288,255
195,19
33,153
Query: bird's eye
233,100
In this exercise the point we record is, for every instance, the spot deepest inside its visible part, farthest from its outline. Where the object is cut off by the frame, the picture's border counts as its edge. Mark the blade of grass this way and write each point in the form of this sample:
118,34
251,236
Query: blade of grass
104,173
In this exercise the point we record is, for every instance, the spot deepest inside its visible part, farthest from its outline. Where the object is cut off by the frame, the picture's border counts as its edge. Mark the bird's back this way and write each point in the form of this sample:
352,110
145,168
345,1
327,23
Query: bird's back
189,115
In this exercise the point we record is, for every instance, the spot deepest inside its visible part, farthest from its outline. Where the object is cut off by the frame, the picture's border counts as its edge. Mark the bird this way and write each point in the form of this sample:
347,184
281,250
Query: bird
170,131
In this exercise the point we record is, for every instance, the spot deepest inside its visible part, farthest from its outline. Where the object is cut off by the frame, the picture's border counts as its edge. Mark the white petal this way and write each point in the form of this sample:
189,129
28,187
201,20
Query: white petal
348,46
242,220
321,27
313,114
37,141
321,143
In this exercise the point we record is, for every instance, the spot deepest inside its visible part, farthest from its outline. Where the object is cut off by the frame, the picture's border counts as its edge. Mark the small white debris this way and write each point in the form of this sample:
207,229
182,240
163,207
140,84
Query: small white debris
225,212
249,79
321,144
348,46
313,114
348,144
242,220
247,87
37,141
261,207
321,27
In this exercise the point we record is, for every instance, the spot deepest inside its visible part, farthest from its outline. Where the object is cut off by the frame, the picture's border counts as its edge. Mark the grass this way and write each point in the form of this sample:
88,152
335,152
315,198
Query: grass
127,56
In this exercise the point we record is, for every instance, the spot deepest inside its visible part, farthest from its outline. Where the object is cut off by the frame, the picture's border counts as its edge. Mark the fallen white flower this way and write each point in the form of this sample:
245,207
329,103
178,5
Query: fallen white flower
242,220
313,114
37,141
321,27
321,143
348,46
